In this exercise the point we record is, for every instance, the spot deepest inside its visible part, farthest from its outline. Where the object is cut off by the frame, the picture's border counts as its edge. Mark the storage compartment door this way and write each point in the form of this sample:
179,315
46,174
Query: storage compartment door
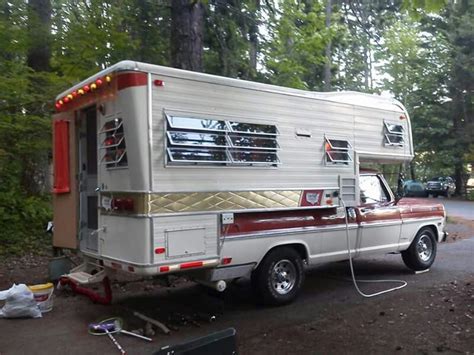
185,237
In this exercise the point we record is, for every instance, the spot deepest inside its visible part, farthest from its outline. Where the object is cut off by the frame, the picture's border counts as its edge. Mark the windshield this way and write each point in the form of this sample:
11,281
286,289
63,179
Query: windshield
438,178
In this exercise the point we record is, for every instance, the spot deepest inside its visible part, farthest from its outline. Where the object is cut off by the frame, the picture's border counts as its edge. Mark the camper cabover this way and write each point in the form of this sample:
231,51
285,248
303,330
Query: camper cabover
159,170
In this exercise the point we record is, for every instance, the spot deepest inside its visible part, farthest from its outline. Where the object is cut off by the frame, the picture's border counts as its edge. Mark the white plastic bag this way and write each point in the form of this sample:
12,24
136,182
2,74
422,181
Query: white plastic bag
19,303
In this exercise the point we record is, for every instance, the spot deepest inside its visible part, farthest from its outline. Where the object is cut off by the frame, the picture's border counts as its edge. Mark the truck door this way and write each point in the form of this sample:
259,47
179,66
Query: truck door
378,217
88,239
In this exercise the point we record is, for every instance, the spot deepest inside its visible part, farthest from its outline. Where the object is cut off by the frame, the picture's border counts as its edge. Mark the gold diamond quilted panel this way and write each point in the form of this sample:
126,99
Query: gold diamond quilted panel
221,201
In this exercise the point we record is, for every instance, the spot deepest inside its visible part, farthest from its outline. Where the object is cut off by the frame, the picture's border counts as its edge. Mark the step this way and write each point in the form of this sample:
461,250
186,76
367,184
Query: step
82,275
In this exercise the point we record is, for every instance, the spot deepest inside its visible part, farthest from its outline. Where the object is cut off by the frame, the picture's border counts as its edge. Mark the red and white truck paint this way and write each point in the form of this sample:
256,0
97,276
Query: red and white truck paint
159,170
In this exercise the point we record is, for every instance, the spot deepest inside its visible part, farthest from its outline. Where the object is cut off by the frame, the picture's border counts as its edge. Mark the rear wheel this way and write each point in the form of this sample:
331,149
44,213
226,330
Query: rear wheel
422,251
279,277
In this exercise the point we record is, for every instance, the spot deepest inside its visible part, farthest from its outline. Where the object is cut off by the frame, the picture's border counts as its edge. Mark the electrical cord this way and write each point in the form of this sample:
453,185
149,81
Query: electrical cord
369,295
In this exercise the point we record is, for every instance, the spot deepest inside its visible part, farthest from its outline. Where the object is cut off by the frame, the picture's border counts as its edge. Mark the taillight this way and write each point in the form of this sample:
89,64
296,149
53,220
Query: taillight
122,204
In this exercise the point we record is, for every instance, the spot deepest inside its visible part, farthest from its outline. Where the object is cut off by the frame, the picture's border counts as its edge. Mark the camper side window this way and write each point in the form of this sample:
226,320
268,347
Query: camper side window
207,141
113,144
337,151
394,134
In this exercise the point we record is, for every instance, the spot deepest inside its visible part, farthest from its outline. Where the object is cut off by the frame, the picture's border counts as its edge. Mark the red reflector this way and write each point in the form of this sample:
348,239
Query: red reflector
329,202
159,83
122,204
226,261
191,265
131,269
160,250
164,268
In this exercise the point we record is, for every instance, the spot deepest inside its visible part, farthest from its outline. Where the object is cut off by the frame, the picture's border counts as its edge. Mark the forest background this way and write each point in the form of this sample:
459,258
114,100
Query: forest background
418,51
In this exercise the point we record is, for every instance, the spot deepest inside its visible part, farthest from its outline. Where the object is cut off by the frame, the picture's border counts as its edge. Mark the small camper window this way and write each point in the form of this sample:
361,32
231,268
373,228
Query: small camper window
196,123
200,141
197,139
254,157
253,142
240,127
113,144
198,155
394,135
338,151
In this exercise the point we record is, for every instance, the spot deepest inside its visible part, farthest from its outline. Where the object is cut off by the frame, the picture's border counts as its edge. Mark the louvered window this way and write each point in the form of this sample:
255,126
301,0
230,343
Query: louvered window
394,134
338,151
113,144
202,141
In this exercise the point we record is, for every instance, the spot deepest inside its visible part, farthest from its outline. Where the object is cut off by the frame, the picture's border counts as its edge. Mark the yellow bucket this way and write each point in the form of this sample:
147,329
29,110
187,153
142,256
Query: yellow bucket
43,295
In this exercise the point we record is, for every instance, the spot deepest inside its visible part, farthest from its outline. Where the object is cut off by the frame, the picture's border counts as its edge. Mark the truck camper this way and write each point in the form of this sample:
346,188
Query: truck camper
159,170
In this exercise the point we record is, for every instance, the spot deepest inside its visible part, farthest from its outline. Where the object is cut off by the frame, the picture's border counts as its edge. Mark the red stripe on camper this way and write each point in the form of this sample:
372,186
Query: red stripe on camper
126,80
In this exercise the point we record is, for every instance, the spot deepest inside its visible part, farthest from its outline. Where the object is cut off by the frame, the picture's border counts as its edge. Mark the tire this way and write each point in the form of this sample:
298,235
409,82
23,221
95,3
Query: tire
279,277
422,252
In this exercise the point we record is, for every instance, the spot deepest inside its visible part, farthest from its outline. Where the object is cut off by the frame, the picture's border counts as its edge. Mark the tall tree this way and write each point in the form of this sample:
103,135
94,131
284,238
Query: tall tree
39,35
187,28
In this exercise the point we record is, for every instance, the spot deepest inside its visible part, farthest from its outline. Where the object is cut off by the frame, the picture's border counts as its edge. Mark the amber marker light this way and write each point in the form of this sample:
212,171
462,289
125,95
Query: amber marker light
93,86
80,92
108,78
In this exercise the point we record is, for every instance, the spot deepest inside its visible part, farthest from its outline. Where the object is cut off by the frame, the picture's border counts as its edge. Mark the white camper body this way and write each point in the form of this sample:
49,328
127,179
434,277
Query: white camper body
165,163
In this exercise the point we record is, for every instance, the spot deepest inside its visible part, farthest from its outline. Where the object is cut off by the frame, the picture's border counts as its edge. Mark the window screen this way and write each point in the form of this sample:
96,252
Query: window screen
338,151
207,141
394,134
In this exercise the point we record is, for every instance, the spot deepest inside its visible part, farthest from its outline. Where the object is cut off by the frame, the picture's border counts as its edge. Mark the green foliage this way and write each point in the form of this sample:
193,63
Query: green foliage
425,61
295,52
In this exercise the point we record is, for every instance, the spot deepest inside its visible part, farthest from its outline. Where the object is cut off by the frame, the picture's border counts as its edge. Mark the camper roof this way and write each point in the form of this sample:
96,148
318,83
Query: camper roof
343,97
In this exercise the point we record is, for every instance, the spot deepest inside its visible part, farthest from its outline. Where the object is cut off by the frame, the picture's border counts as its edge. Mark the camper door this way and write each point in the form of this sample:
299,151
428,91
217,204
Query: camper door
88,236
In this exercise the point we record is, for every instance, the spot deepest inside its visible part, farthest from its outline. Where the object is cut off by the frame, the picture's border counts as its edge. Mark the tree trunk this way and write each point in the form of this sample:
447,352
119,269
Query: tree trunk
39,35
327,64
187,27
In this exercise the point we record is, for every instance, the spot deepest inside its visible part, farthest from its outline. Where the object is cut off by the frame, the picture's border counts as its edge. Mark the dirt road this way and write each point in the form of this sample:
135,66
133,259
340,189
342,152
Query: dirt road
434,313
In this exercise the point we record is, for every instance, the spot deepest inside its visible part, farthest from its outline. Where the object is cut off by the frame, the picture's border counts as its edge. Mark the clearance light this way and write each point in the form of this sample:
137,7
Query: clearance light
108,79
98,82
226,261
122,204
86,88
58,105
160,250
66,100
74,94
61,102
159,83
80,92
93,86
70,97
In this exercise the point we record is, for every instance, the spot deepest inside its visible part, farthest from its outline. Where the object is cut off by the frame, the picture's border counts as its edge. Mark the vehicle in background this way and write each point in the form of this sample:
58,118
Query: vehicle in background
441,185
414,188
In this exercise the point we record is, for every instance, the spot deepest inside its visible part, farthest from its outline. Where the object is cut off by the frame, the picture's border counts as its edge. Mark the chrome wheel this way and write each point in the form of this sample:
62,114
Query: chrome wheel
424,247
283,276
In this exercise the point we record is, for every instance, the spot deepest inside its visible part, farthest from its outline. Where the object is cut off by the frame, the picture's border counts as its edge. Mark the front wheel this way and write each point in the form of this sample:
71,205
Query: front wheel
279,277
422,251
